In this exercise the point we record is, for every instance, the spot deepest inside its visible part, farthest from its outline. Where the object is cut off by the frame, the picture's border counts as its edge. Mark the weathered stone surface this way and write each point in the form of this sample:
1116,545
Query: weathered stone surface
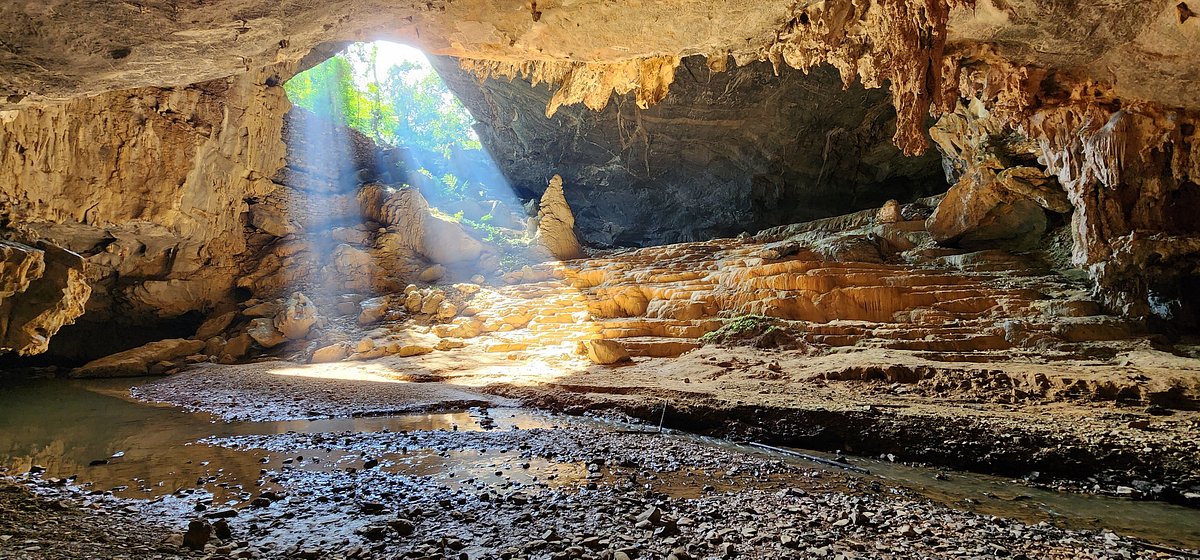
726,152
437,238
215,325
137,361
263,332
332,353
556,224
986,210
42,289
237,347
1123,189
297,317
605,351
1143,47
1098,97
373,309
149,187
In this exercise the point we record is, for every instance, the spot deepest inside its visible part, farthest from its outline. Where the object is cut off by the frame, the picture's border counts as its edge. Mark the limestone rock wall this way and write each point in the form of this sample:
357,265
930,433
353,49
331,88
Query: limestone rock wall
41,289
108,152
149,186
1128,170
727,151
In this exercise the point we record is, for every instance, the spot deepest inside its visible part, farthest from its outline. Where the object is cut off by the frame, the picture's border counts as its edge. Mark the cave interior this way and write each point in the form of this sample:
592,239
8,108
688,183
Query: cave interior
544,279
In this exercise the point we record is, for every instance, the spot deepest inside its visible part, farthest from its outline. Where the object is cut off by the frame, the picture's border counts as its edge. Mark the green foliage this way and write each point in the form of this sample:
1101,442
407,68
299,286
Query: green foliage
408,106
505,238
740,326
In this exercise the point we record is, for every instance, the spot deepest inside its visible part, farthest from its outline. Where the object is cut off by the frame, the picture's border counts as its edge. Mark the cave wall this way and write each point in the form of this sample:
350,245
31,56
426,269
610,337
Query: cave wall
108,152
149,186
726,152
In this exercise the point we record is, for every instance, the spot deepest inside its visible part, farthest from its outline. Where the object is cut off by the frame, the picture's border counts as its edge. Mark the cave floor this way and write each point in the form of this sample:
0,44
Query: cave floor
493,481
1057,425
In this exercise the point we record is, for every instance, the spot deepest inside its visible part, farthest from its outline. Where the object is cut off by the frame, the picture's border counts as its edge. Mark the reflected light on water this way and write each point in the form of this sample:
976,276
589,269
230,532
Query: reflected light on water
343,371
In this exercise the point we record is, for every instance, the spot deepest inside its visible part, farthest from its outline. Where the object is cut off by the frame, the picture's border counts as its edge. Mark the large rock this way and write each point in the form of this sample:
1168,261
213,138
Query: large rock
297,317
215,325
150,187
556,224
985,209
438,238
605,352
137,361
42,289
263,331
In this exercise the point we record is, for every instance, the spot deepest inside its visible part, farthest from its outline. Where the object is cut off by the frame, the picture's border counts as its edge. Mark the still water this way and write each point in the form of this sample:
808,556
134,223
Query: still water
94,431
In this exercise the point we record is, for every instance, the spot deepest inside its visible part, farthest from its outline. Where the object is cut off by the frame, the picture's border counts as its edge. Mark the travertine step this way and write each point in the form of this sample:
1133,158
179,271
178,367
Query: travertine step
655,347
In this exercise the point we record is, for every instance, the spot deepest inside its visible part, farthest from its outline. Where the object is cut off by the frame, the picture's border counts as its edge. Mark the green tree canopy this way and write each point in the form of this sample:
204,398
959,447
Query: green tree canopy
409,105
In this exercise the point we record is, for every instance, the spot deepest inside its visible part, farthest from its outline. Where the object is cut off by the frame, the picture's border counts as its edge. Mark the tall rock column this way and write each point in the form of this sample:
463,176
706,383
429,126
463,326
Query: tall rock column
556,224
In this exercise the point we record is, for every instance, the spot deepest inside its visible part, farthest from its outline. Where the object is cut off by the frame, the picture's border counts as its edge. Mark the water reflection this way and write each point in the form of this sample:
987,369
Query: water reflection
91,431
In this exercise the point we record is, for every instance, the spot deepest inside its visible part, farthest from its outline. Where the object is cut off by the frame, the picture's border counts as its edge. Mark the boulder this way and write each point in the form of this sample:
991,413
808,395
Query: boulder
605,351
556,224
237,347
432,274
263,331
412,302
985,209
137,361
215,325
372,310
351,269
889,213
297,317
431,303
269,220
42,288
332,353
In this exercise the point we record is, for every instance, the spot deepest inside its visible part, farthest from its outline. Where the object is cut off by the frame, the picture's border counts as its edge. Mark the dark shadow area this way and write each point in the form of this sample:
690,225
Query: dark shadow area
84,341
725,152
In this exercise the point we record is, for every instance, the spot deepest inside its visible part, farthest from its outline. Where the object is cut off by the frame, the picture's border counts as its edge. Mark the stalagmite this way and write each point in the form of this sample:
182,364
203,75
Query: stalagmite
556,223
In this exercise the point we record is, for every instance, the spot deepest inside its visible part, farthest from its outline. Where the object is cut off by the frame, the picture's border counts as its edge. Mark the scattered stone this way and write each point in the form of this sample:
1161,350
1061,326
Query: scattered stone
137,361
605,351
197,535
373,310
332,353
432,274
263,331
298,316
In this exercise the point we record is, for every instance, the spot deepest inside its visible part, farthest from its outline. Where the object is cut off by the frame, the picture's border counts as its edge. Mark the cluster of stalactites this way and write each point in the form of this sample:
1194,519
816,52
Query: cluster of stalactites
589,83
1129,169
900,42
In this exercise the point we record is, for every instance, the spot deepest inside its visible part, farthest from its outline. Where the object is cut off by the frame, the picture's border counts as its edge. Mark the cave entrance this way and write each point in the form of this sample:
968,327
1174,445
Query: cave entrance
424,137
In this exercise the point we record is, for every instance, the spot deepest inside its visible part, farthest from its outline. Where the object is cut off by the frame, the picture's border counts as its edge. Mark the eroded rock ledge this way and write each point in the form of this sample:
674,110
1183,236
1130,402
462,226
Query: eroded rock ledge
1094,98
42,289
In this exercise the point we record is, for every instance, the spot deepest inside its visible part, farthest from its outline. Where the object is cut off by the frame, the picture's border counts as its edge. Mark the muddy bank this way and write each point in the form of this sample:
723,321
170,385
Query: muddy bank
557,492
1041,455
1053,441
55,521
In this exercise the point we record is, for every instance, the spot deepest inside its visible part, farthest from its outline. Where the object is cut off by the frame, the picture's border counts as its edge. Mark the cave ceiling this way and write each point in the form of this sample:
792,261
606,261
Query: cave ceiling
58,49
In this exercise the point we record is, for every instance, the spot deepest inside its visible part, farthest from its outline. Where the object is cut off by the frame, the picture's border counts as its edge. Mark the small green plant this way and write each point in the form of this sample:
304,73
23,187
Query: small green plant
505,238
740,326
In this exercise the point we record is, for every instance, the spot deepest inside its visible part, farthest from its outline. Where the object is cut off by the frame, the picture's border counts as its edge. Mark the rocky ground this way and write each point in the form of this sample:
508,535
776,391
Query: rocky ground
52,520
571,491
963,417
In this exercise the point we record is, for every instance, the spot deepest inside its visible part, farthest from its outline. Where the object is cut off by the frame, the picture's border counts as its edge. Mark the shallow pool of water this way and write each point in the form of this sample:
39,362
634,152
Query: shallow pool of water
93,431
